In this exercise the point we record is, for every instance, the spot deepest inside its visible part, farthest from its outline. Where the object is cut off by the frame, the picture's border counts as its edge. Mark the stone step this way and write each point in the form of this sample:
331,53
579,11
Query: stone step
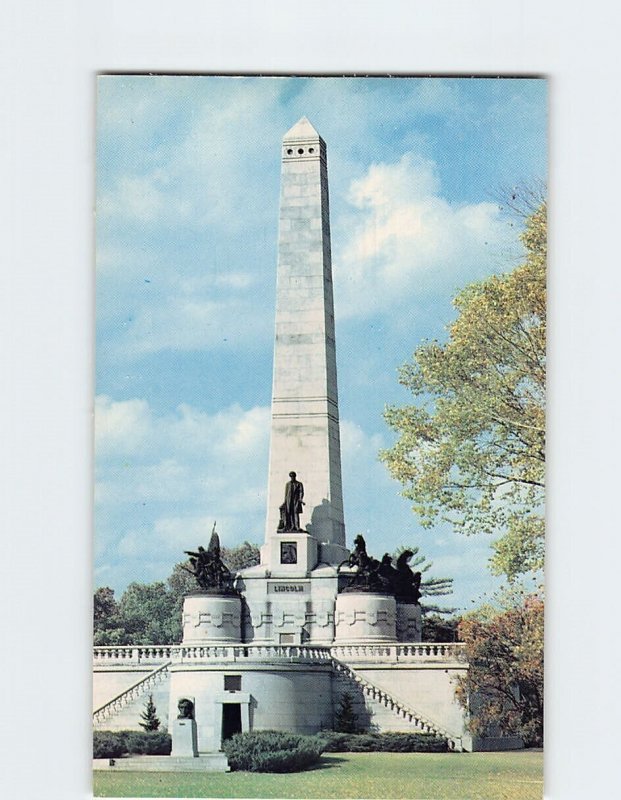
205,762
371,709
378,703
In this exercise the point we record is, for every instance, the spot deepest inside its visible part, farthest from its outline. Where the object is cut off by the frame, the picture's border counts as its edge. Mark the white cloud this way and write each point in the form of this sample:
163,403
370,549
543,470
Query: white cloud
189,321
406,239
145,199
210,169
355,443
121,427
152,305
158,476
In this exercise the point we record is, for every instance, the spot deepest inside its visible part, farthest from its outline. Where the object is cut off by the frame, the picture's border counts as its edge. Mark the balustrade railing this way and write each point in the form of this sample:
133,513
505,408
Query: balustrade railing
401,653
136,690
150,655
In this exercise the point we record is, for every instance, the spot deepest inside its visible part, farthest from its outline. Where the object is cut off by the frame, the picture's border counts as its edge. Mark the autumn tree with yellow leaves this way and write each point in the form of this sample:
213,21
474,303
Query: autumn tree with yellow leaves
471,449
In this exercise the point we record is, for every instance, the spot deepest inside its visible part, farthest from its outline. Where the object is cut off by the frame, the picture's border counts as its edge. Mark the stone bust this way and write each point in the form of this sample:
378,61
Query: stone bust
186,709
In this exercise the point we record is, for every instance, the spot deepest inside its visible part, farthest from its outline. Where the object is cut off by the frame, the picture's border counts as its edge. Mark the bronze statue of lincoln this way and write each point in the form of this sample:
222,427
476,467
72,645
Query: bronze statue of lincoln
291,509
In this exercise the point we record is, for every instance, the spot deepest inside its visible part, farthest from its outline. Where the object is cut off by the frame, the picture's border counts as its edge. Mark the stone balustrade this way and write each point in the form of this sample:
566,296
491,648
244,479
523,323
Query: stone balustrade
129,654
401,653
152,655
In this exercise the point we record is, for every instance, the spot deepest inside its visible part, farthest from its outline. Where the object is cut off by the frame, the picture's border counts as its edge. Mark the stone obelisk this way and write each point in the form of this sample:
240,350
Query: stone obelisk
305,420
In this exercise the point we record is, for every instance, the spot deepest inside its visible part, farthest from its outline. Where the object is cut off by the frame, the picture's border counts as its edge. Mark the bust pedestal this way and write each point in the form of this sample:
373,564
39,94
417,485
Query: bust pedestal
184,741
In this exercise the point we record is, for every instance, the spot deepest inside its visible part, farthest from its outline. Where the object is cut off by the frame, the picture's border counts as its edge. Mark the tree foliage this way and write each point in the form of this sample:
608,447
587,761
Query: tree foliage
150,720
244,555
439,629
504,683
471,450
345,718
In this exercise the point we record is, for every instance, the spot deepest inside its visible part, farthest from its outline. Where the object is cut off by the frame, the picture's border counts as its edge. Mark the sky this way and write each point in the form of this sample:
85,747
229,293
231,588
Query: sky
188,173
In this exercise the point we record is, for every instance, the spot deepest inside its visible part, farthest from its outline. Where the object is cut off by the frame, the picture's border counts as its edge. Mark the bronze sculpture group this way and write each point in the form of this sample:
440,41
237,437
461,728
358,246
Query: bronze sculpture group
207,567
372,575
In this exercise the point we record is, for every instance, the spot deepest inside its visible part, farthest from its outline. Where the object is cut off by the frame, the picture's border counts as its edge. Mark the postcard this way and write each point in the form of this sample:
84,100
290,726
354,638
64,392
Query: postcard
320,436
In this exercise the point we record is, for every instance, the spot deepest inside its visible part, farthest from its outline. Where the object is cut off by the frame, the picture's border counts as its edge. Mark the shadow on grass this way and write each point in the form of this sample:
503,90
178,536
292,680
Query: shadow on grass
327,762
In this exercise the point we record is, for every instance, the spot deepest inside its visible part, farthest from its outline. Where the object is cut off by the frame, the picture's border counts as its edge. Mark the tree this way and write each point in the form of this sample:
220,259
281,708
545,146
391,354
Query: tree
244,555
344,716
472,449
146,612
104,604
150,720
107,625
504,683
439,629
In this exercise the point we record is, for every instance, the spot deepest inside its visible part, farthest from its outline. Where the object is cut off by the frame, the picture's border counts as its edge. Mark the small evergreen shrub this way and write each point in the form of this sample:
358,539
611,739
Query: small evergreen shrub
388,742
272,751
345,718
150,720
112,744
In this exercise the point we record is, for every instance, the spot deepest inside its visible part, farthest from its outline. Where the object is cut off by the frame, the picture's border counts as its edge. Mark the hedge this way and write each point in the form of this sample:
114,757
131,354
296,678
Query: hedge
112,744
272,751
383,742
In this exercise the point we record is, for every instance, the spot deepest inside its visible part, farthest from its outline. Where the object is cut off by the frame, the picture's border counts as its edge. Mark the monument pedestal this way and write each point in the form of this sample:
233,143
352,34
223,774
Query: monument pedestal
211,619
184,741
365,618
409,622
290,553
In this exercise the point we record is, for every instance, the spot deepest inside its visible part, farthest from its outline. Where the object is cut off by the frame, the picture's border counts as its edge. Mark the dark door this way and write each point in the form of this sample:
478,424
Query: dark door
231,719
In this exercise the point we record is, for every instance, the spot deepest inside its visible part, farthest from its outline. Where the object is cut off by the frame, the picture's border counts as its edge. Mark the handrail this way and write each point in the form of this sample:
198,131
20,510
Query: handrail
99,713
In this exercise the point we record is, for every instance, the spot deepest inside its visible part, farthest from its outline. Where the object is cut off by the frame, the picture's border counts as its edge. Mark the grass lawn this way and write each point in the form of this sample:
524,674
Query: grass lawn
415,776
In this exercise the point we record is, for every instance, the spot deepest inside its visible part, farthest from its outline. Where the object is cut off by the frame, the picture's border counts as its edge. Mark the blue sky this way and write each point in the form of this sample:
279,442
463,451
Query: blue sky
187,213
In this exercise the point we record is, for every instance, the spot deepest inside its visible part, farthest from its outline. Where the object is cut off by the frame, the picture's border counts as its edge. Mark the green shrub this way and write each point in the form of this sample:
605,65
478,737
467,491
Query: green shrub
364,743
383,742
272,751
148,743
112,744
107,744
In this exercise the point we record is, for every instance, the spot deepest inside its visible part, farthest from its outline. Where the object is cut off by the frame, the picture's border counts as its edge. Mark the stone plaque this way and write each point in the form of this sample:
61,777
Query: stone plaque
288,553
288,588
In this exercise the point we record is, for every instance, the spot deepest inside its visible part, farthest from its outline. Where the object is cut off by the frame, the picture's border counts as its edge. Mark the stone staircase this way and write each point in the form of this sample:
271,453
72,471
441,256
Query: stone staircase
385,710
123,711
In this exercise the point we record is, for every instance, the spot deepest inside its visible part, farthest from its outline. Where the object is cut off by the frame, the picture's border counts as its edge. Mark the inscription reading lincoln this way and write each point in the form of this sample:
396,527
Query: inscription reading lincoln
288,587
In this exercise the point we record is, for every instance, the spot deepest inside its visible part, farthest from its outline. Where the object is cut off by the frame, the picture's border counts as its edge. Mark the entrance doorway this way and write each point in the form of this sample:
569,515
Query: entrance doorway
231,719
